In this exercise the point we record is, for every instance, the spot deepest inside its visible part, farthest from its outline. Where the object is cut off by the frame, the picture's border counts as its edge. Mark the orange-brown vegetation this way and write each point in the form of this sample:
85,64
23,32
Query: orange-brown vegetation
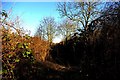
16,47
40,48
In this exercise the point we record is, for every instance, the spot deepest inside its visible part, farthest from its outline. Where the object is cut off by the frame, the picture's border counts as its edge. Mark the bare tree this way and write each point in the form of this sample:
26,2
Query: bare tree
12,25
47,29
82,12
67,27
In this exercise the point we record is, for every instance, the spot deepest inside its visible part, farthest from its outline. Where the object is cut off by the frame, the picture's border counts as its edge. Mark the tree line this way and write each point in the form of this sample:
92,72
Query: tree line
76,15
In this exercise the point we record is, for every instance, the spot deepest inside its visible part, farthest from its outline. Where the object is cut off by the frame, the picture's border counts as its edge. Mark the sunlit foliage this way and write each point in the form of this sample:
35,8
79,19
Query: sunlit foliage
19,49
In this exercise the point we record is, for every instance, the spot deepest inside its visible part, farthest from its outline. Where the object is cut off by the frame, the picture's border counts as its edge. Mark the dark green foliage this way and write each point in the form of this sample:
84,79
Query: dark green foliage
4,13
94,52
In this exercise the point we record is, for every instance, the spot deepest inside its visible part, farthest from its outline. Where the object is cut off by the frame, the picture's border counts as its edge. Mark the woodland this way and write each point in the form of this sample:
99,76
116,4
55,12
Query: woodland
90,52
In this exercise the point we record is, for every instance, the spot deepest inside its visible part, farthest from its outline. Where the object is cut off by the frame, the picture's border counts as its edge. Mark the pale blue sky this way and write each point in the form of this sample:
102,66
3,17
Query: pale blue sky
32,12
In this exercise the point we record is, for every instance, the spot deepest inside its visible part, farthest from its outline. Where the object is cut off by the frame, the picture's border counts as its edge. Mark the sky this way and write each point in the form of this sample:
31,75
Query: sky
31,13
